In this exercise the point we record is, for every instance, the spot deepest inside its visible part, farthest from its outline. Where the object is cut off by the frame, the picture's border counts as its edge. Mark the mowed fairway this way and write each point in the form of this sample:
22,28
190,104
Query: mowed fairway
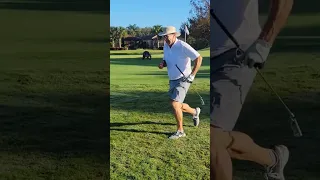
142,120
53,95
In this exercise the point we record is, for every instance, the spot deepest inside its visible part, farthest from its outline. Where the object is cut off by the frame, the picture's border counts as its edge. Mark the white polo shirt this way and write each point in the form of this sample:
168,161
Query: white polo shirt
180,54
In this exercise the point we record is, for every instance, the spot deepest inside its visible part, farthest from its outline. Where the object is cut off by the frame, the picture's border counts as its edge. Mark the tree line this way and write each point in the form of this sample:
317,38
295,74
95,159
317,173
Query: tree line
117,33
198,25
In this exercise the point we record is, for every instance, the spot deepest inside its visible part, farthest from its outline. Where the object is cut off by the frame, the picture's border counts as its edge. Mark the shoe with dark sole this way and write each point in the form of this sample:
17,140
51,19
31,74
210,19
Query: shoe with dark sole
177,135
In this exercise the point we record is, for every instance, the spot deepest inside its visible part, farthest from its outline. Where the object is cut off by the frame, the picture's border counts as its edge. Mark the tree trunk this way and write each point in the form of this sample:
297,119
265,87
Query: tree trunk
112,43
119,42
158,43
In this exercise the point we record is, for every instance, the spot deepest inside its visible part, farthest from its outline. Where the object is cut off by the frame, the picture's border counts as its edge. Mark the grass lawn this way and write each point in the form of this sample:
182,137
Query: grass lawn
53,95
141,121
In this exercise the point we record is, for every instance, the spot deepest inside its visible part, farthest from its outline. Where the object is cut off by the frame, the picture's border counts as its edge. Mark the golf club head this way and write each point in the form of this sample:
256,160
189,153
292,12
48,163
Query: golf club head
202,102
295,126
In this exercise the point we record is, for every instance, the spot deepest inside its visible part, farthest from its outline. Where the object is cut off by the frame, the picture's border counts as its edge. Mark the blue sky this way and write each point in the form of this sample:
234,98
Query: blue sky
145,13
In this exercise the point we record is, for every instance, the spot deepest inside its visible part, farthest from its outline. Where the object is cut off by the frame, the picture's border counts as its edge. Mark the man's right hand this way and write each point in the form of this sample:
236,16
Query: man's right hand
257,54
160,65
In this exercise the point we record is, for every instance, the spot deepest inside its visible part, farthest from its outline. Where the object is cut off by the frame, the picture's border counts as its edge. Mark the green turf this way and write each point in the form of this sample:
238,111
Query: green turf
141,122
53,95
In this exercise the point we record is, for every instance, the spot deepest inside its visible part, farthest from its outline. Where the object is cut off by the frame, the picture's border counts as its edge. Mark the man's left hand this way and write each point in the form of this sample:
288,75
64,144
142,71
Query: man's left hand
189,79
257,54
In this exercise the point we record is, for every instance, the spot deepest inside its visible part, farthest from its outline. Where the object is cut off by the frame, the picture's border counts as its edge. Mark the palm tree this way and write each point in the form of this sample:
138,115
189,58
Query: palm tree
113,34
133,29
157,29
122,33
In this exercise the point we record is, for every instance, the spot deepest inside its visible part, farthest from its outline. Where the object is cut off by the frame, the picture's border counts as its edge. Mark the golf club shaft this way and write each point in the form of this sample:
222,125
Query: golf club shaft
180,71
224,28
264,79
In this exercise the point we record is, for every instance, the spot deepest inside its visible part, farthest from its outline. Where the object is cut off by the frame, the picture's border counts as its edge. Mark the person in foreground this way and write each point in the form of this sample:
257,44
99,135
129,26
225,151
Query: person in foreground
177,57
231,81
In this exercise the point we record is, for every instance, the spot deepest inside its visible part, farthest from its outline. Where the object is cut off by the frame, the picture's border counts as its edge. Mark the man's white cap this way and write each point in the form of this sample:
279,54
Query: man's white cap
169,30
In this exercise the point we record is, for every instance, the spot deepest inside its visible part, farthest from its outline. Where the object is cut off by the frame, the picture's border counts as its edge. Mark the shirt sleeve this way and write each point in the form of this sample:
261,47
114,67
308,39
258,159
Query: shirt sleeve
190,51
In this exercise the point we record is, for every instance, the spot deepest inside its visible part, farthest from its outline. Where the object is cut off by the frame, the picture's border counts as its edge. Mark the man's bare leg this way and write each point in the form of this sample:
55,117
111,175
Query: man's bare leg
236,145
244,148
178,114
186,108
220,160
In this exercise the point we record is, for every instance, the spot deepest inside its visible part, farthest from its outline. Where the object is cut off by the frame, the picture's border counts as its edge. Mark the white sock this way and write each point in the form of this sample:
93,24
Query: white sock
181,131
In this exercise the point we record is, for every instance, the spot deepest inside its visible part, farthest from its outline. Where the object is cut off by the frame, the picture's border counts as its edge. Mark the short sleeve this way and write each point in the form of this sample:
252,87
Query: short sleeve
190,51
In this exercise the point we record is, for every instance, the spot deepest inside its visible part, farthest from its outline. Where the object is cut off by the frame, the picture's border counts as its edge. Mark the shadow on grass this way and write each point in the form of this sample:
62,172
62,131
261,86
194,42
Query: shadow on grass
141,131
154,102
200,74
140,62
92,6
59,123
115,124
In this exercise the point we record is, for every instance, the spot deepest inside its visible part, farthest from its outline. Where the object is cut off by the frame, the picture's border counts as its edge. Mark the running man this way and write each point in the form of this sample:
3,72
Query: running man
230,83
178,55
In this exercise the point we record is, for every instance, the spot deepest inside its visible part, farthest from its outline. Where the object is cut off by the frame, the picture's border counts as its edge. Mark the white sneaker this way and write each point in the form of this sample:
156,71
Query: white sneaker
177,135
196,118
276,172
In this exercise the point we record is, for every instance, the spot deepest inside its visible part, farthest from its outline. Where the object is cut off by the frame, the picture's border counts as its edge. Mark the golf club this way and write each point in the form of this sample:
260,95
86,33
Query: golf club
293,122
202,102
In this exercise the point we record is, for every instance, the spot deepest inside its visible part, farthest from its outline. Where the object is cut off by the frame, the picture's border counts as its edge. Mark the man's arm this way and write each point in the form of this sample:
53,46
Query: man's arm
197,65
193,55
278,15
258,52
